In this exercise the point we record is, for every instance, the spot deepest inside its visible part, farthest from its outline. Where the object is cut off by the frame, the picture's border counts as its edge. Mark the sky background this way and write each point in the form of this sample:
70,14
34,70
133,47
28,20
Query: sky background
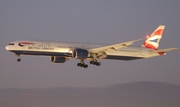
93,21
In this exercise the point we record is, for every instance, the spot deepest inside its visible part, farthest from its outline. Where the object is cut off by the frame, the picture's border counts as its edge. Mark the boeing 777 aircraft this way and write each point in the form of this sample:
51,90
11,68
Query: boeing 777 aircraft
60,52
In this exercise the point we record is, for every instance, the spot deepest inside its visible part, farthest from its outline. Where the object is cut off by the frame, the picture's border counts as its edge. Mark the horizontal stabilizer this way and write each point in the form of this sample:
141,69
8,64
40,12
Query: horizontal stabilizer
164,50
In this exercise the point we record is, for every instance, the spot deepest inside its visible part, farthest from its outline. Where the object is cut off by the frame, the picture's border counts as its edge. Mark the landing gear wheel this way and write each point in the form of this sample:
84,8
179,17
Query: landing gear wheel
81,64
85,66
95,63
19,60
91,62
18,57
98,64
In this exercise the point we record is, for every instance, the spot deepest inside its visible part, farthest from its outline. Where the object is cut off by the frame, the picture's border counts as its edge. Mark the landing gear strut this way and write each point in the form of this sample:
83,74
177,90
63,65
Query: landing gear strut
82,64
18,58
94,62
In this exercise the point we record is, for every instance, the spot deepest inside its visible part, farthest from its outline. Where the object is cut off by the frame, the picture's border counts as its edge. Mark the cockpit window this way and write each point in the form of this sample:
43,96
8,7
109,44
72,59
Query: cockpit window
11,43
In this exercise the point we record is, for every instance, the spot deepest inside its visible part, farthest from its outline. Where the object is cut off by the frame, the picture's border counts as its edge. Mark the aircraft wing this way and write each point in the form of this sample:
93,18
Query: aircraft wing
114,46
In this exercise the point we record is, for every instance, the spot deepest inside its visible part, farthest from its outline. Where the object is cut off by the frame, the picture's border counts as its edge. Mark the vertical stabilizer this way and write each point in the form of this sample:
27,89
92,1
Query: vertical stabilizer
152,42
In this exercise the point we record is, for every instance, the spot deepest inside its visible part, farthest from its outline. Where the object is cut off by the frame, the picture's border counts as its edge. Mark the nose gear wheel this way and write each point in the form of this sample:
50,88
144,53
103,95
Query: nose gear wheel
18,58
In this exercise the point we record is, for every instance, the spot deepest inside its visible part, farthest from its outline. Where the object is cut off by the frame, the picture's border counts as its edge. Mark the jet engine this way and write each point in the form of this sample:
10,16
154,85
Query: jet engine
80,54
57,59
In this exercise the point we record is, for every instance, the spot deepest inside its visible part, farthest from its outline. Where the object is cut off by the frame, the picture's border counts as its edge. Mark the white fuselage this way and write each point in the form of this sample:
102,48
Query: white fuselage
64,49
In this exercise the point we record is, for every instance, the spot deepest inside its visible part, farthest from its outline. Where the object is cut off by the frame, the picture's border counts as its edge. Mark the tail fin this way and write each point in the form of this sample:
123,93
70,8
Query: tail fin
152,42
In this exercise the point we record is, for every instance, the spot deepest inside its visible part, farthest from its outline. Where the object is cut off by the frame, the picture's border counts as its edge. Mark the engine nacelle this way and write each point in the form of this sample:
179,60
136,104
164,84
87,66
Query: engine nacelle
80,54
57,59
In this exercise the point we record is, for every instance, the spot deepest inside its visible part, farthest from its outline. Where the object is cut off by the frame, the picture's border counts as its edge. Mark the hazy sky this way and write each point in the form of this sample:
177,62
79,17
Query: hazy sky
92,21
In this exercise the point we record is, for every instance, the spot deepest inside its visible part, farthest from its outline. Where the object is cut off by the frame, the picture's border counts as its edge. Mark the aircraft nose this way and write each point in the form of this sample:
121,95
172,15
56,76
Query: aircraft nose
7,48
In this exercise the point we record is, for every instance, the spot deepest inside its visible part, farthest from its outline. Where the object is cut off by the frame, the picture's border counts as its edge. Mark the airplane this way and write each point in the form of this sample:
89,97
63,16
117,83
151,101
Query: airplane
60,52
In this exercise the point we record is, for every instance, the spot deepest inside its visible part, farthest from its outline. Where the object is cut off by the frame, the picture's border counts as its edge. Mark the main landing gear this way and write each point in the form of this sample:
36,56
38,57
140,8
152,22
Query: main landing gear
82,64
95,63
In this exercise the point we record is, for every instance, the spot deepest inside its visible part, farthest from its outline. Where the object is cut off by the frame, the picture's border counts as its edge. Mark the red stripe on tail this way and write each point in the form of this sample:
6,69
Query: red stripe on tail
158,32
150,46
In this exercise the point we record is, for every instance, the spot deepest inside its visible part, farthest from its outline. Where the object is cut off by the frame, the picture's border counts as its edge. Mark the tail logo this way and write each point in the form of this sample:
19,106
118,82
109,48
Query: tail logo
158,32
155,40
152,42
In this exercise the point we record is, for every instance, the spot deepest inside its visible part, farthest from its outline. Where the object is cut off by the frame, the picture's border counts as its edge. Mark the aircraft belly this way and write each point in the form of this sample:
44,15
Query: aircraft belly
42,53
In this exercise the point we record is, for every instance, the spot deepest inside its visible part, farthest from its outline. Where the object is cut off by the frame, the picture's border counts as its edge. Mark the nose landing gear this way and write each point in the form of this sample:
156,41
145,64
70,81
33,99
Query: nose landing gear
18,58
